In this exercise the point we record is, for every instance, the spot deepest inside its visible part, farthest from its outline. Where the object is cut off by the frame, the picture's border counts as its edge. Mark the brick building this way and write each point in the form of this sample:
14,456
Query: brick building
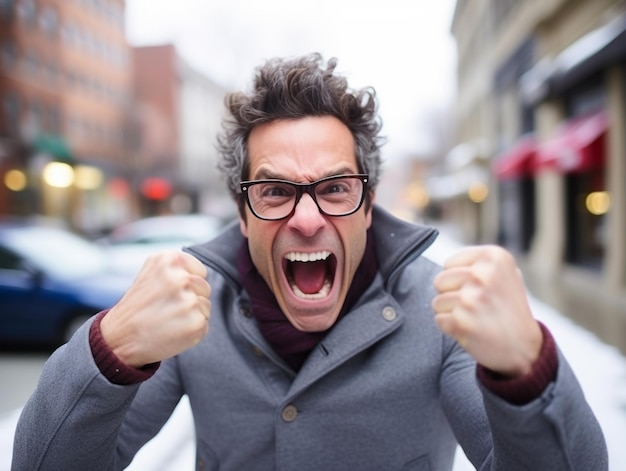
65,82
176,119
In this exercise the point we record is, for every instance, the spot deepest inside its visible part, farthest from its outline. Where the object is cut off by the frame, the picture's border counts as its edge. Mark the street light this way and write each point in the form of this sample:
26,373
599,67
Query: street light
477,192
598,202
15,180
87,177
58,174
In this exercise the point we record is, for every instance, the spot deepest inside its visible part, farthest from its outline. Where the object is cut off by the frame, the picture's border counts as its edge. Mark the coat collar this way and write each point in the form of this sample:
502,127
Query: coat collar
397,244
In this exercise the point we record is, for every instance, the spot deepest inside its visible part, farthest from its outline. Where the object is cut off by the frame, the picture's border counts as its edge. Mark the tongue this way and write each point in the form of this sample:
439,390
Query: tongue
309,276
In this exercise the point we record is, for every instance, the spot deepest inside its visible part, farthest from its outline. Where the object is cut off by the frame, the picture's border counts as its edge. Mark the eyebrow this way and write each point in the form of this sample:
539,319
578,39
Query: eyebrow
269,175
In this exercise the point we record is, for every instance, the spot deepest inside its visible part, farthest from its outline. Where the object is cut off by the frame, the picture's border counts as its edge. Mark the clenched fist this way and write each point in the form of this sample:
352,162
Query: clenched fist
482,303
164,312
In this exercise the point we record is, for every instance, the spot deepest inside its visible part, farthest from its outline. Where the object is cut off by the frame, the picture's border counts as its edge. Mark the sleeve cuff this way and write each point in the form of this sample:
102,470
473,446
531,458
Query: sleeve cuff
114,369
520,391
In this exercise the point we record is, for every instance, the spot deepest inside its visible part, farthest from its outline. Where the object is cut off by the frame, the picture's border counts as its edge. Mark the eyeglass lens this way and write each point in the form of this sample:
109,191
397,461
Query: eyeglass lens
277,199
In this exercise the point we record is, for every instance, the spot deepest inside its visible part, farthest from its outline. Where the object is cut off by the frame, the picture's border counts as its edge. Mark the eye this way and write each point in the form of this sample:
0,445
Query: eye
275,190
335,187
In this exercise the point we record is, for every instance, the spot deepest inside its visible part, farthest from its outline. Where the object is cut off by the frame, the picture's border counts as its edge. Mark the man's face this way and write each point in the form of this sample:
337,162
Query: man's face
302,151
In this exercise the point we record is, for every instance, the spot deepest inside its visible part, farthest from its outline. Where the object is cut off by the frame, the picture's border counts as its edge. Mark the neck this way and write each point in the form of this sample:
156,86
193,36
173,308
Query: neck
288,342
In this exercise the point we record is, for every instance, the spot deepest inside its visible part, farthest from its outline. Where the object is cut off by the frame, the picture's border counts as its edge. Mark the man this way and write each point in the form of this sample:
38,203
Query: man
332,343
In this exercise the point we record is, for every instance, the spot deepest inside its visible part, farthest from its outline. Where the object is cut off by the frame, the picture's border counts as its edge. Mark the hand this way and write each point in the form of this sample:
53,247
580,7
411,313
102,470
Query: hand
164,312
482,303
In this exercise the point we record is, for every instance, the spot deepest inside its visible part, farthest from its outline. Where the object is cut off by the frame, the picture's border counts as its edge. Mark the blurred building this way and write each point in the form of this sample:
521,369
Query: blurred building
458,188
541,85
95,132
65,86
177,116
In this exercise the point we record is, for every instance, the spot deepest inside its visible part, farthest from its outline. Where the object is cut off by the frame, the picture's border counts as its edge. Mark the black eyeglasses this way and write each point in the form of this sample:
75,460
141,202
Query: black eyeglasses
271,200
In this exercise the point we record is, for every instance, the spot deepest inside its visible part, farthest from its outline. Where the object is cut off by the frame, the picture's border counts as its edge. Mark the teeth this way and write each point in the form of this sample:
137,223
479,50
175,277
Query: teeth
307,257
321,294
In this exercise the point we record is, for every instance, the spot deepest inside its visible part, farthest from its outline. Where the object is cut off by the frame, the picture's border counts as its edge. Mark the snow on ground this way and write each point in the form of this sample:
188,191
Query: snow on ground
600,368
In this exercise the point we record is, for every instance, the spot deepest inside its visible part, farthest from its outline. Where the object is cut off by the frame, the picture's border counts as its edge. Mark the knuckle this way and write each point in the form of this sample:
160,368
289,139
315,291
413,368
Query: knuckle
460,325
438,278
436,304
502,255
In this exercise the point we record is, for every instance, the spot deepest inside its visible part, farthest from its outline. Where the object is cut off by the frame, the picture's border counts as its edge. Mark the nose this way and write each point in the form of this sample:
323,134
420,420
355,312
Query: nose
306,217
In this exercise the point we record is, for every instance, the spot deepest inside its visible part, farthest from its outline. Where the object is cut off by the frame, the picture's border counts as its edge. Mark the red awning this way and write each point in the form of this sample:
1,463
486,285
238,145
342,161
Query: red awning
577,147
518,161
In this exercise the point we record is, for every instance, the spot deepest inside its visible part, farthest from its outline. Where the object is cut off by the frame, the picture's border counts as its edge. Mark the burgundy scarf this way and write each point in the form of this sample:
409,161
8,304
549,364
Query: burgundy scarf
287,341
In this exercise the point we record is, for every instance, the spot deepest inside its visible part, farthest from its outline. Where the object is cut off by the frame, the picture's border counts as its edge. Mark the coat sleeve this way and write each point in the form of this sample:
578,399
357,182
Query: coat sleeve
558,430
74,417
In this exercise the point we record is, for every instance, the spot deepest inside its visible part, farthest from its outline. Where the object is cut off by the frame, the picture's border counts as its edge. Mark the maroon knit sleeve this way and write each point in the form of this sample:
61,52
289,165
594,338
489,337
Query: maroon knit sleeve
114,369
523,390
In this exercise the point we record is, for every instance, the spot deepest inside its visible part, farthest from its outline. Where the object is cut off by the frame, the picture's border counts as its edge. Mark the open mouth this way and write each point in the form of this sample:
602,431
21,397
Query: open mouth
310,275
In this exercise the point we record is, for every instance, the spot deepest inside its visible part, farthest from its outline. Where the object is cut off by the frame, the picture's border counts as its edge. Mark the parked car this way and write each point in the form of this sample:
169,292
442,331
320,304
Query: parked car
51,281
128,245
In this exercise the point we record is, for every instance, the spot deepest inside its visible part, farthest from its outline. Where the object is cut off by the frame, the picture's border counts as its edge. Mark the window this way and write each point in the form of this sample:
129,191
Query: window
27,11
52,73
68,33
6,7
11,113
9,55
31,65
35,116
9,261
587,204
49,21
52,119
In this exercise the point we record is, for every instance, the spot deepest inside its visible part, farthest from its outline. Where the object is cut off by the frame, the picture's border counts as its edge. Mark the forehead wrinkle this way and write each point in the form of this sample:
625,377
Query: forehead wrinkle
267,174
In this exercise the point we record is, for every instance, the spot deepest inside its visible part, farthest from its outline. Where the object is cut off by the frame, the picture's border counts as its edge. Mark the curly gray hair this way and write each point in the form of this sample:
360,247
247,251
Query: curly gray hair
291,89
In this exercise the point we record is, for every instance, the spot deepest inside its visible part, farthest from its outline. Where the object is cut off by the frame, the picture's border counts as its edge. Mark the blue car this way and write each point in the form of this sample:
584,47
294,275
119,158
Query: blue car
51,282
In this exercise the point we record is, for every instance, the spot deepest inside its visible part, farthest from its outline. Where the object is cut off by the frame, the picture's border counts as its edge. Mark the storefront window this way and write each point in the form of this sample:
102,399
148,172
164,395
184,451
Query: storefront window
587,203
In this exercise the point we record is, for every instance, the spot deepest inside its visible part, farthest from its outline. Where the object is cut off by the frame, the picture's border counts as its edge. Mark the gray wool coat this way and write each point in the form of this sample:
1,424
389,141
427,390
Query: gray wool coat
384,390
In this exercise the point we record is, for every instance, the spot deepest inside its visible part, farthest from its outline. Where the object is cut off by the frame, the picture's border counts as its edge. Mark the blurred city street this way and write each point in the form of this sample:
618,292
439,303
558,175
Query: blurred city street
601,370
503,122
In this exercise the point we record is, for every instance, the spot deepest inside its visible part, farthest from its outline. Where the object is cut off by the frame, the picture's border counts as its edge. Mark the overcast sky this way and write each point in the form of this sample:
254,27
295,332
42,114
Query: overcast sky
402,48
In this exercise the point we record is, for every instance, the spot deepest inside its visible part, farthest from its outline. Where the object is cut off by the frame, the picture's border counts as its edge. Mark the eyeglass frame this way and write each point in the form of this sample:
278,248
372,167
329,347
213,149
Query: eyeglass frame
302,188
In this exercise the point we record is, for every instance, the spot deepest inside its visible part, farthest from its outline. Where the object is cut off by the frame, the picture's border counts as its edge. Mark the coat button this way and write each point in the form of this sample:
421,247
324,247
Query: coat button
389,313
200,465
245,310
289,413
257,352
